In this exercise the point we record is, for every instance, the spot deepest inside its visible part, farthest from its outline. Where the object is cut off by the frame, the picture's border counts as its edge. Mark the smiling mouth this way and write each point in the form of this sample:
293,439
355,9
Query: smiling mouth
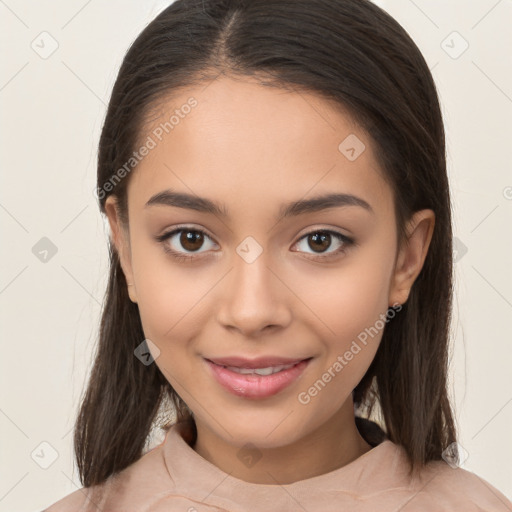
257,382
261,362
269,370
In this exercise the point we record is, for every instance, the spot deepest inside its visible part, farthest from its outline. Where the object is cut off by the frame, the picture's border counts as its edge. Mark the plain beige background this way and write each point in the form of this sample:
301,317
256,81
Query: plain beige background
53,106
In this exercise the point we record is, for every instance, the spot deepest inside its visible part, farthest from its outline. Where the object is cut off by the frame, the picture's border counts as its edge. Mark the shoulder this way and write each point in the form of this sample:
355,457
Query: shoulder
76,502
451,488
437,486
132,488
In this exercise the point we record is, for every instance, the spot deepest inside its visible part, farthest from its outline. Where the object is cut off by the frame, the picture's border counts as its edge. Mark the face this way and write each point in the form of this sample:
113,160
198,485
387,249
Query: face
246,281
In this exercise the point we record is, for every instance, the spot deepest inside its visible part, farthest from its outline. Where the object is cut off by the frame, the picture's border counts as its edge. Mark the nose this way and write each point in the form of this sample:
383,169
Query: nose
254,298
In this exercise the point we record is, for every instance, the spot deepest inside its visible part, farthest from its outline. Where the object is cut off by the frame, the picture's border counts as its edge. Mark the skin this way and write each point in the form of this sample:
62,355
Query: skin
254,148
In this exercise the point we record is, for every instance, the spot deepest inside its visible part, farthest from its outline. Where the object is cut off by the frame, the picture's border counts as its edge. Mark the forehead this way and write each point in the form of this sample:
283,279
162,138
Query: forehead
242,143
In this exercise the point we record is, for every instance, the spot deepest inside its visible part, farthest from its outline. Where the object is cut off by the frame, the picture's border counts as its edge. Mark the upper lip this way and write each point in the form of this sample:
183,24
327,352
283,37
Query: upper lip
260,362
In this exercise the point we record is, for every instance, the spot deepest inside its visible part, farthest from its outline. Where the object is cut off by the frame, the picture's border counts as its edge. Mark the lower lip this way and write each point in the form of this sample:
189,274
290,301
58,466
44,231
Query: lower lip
256,386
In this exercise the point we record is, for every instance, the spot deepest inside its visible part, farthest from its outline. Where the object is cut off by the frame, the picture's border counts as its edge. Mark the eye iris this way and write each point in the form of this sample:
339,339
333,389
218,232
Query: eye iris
323,238
191,237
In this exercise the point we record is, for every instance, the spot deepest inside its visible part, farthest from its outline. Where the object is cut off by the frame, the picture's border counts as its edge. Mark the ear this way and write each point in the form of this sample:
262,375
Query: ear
121,241
411,255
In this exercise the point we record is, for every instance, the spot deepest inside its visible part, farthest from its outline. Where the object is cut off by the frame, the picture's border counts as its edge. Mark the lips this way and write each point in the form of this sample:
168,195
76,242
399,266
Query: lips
252,379
260,362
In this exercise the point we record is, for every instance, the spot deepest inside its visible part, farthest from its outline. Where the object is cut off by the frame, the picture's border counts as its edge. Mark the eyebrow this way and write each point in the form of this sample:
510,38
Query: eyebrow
291,209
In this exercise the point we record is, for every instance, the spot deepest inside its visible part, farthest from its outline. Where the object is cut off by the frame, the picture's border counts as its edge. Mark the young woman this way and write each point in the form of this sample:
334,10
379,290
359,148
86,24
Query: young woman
274,177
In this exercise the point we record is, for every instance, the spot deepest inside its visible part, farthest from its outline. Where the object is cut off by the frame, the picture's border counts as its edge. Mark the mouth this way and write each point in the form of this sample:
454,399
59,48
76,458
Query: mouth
258,378
257,363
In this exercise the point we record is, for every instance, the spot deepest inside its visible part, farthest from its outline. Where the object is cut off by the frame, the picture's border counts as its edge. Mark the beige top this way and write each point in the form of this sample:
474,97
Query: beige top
173,477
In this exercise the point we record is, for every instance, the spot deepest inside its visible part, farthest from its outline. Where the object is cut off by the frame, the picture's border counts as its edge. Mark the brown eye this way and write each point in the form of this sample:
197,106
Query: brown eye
191,240
184,242
318,242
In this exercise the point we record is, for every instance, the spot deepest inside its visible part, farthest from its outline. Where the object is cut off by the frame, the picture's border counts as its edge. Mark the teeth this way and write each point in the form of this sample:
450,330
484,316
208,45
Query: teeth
260,371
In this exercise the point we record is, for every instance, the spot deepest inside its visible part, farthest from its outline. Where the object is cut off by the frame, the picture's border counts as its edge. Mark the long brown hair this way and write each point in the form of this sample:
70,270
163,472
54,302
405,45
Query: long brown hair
349,51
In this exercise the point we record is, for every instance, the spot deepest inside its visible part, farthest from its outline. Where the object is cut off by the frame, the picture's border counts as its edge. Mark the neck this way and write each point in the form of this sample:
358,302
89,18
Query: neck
331,446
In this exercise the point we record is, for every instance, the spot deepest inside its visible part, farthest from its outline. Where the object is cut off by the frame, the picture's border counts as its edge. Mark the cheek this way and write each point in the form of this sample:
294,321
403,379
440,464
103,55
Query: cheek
169,304
168,296
349,298
349,304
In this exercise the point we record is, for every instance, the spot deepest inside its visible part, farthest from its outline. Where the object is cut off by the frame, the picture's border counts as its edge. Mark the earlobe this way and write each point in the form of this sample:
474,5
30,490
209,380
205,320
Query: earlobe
119,238
412,255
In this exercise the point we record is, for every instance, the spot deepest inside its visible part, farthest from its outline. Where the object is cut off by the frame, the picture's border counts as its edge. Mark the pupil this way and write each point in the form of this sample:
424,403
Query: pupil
323,238
188,238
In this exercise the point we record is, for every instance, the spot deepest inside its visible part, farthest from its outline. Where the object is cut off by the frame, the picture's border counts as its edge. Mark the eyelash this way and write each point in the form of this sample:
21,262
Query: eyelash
347,242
